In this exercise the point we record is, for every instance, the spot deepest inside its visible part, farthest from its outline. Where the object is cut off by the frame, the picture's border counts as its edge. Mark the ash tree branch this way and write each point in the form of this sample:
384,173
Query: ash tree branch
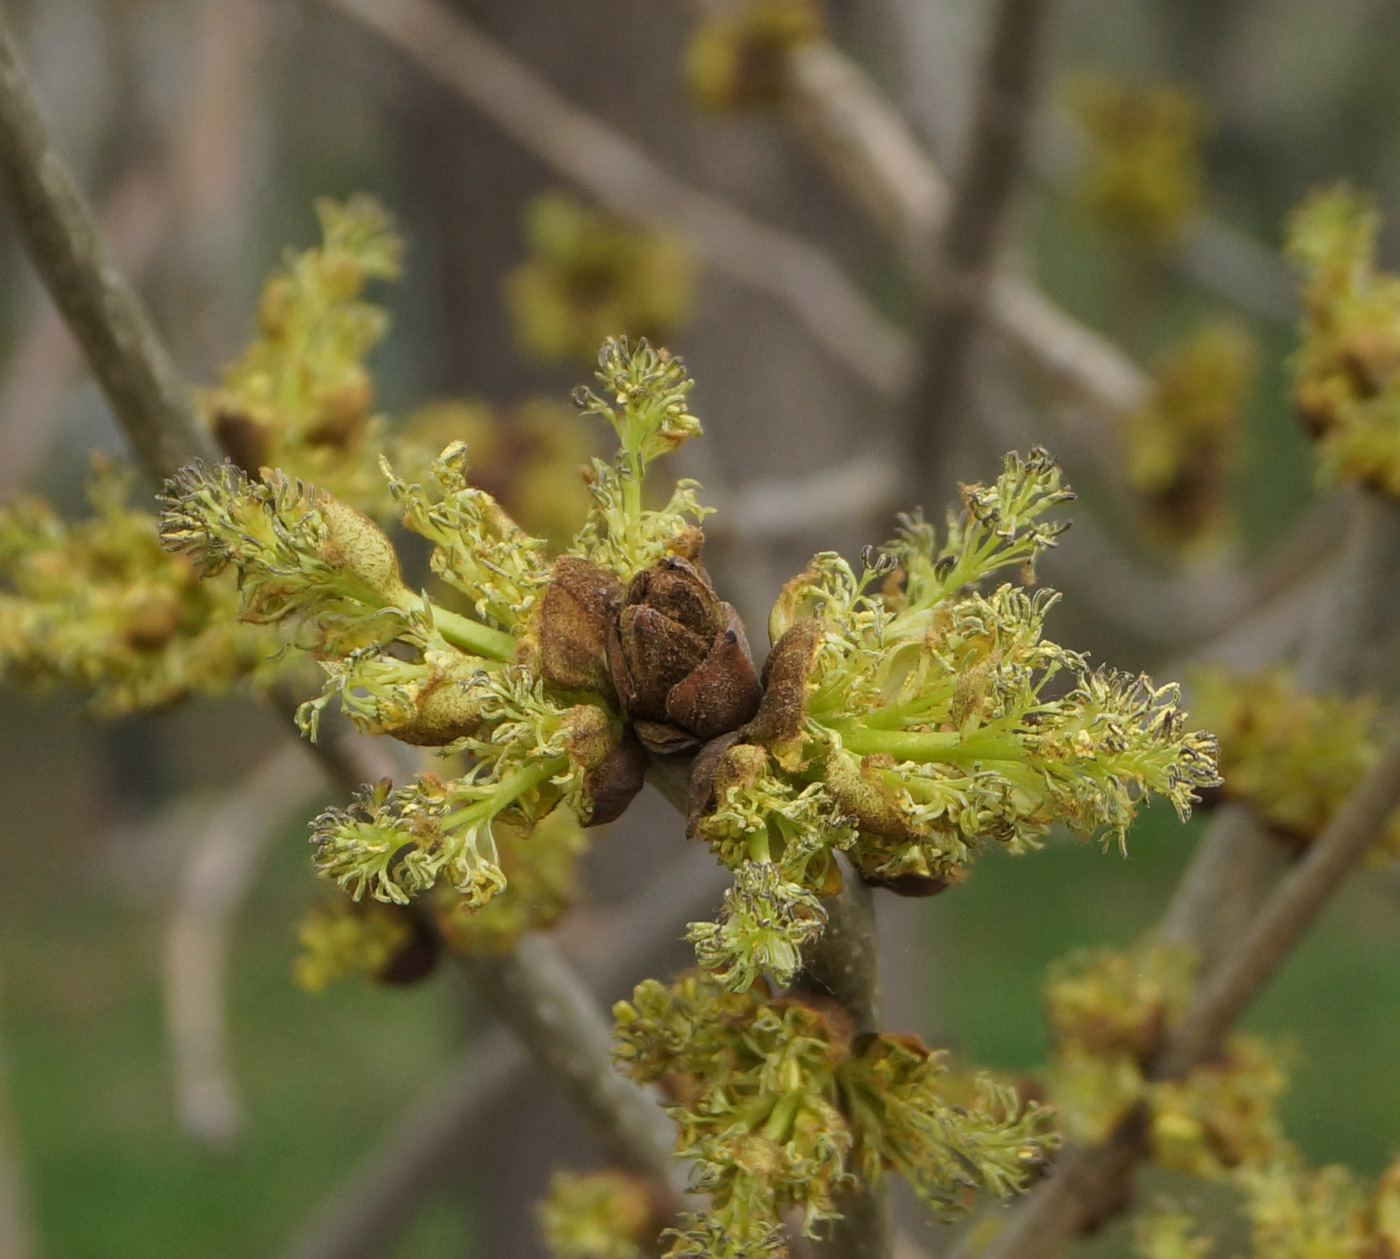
977,221
536,990
1224,909
215,880
845,963
1289,912
108,319
365,1215
871,153
588,153
1090,1182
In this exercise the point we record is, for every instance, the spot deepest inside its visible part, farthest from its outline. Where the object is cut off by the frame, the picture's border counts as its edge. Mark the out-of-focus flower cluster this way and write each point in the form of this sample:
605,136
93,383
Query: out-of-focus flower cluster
591,276
1184,441
601,1215
300,397
1294,756
1346,373
908,719
1109,1014
98,606
1293,1211
778,1107
736,59
1142,171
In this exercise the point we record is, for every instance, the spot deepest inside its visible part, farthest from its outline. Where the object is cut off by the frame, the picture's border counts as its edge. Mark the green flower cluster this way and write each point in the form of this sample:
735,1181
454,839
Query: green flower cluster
1110,1013
778,1107
1167,1232
1184,441
1346,373
736,59
1292,755
590,275
602,1215
300,398
908,719
1142,177
517,682
98,606
1293,1210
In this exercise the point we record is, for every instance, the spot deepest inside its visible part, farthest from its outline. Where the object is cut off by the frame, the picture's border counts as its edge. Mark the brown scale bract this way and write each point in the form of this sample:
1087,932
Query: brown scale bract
572,622
680,660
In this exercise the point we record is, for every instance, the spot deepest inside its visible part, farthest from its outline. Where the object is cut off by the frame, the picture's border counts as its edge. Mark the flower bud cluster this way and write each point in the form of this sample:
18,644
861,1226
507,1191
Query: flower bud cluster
908,719
385,943
601,1215
736,59
1184,441
553,684
591,275
1167,1232
778,1106
1295,1210
299,397
97,605
1346,373
1109,1014
1142,177
1292,755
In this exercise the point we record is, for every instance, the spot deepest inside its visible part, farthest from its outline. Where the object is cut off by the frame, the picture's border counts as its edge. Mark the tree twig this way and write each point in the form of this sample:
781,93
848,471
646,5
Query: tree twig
537,994
1291,909
845,963
1225,909
104,312
870,152
561,1024
582,149
364,1215
45,360
213,884
976,222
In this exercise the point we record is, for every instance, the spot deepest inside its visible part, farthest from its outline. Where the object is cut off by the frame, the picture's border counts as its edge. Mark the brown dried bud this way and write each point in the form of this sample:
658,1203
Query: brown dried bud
700,798
680,660
246,441
612,784
910,883
778,722
572,622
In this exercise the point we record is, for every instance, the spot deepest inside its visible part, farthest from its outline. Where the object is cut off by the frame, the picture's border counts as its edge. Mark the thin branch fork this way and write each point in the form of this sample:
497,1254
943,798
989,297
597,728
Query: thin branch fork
215,881
371,1208
108,319
870,151
588,153
140,381
1092,1181
977,221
